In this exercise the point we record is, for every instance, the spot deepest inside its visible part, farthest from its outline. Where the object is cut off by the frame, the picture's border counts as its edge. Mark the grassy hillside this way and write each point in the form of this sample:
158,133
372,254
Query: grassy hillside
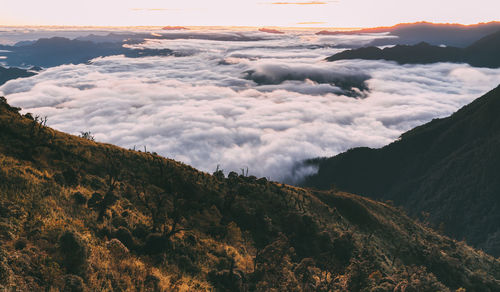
447,170
76,215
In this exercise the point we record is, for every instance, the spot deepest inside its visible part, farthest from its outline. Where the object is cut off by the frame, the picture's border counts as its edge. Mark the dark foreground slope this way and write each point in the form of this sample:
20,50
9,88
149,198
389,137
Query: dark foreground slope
449,168
79,215
482,53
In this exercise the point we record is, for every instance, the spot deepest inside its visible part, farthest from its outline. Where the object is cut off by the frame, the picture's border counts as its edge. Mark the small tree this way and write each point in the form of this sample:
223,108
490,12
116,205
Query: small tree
87,135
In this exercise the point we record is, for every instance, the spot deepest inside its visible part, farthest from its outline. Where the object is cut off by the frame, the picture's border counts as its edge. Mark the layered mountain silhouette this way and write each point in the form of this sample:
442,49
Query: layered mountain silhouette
7,74
175,34
446,171
482,53
58,51
77,215
456,35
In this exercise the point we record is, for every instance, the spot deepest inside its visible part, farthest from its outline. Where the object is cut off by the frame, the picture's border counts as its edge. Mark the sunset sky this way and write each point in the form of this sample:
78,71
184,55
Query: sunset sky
288,13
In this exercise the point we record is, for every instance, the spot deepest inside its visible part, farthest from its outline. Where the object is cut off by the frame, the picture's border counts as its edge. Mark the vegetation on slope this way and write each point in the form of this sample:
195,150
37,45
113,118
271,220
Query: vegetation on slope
447,170
76,215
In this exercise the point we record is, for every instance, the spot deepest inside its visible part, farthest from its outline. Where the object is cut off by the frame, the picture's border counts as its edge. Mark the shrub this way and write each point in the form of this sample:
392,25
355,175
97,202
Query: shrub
152,282
87,135
79,198
94,200
104,232
70,176
117,249
20,244
186,264
156,243
140,231
124,235
232,175
119,222
74,251
73,283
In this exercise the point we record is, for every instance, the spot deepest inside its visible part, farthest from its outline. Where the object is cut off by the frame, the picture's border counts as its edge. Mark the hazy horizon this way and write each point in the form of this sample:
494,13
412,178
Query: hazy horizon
254,13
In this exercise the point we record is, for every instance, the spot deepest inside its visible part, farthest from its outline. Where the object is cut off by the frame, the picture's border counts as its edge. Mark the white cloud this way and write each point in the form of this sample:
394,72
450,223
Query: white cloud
203,112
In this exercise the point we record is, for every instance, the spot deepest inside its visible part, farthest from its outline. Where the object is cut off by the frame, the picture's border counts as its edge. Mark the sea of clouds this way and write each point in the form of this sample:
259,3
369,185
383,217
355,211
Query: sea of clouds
266,105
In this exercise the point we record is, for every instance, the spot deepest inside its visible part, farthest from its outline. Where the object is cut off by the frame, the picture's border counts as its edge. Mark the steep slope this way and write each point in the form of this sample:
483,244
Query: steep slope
483,53
449,168
75,214
456,35
7,74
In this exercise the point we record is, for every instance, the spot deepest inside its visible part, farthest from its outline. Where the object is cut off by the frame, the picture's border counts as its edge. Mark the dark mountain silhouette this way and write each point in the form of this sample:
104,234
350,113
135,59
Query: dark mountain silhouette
7,74
50,52
483,53
76,215
456,35
448,168
57,51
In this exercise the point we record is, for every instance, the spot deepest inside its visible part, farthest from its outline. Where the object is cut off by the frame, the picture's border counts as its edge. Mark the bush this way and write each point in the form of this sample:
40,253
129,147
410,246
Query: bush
20,244
79,198
152,282
117,249
156,243
186,264
140,231
124,235
74,251
119,222
73,283
70,176
94,200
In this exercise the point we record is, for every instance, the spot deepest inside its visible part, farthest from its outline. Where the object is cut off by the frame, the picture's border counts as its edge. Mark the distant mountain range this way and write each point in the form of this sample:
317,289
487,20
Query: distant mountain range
446,171
58,51
456,35
174,34
482,53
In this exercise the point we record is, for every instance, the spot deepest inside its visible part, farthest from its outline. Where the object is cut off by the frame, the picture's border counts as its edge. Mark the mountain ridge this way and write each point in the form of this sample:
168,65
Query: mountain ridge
449,34
446,169
481,53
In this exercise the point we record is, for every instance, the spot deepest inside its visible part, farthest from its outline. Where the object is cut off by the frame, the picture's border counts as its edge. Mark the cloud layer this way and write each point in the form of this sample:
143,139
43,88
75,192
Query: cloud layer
203,109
